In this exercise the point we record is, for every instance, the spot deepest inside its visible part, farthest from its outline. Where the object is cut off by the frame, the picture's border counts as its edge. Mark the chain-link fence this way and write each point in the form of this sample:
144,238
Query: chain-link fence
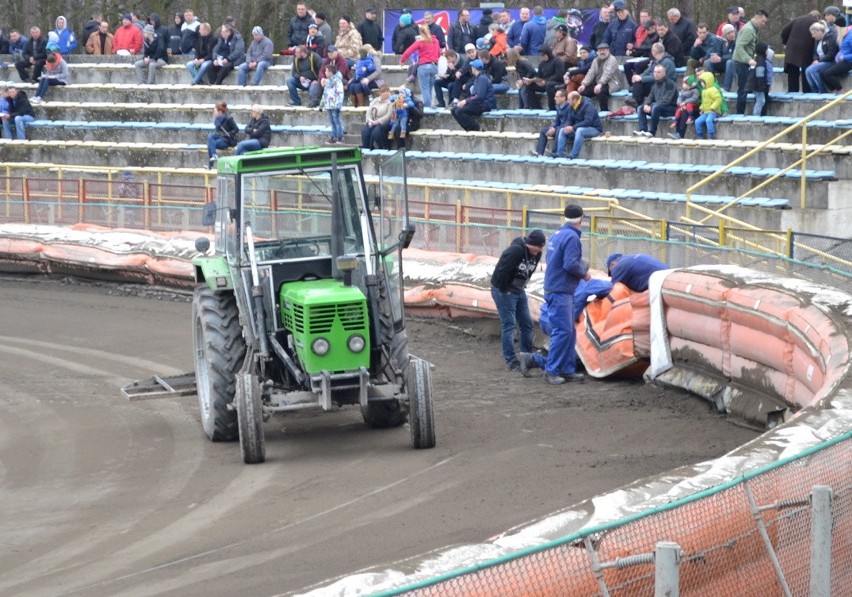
755,535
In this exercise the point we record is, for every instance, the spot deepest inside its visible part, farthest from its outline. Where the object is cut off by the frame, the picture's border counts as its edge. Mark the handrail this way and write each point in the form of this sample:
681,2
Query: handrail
800,124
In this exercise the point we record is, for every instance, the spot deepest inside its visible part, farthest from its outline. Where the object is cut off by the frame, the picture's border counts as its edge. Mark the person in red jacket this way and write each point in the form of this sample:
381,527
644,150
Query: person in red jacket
428,51
127,39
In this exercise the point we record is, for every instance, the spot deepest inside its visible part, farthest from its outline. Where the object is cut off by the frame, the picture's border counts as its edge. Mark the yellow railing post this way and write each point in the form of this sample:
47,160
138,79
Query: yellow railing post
802,186
722,234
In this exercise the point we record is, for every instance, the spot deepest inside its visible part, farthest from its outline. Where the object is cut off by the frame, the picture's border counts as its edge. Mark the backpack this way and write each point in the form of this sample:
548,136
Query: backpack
415,115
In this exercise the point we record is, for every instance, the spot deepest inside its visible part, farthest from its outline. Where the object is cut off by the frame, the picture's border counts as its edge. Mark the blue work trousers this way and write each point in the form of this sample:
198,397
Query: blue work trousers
562,357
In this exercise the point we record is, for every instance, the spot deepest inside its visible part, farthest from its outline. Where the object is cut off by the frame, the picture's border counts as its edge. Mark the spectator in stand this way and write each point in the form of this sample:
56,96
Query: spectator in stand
583,123
228,54
524,71
428,53
723,67
513,35
564,46
461,33
90,27
825,51
744,55
621,32
324,27
348,40
315,42
706,46
306,65
174,34
332,101
842,66
550,131
643,49
601,26
375,131
154,56
370,31
532,36
798,51
33,57
548,79
463,73
711,106
446,75
480,100
17,43
505,21
760,77
127,40
574,76
405,34
672,44
297,30
641,83
257,130
340,62
402,101
496,70
258,58
20,113
733,19
603,79
641,31
101,42
368,73
4,103
551,25
485,21
66,40
203,55
435,29
498,42
225,135
661,102
683,28
687,107
188,33
55,73
833,17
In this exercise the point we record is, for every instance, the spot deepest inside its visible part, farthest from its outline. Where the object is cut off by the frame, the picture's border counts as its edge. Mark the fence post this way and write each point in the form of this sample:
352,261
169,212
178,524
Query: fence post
667,569
820,541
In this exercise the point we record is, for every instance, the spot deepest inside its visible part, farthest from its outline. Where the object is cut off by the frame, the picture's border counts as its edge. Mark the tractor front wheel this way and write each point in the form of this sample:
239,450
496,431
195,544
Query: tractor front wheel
421,412
250,419
219,354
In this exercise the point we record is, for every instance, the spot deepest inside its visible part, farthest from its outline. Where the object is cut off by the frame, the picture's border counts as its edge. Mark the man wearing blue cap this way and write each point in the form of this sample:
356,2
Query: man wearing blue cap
480,100
633,271
511,274
565,269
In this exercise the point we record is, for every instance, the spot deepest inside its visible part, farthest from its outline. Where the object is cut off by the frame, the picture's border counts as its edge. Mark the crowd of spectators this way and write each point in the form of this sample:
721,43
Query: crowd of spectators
465,67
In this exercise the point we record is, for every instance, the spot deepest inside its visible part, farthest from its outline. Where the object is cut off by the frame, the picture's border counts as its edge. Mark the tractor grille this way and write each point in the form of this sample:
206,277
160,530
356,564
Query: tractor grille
351,317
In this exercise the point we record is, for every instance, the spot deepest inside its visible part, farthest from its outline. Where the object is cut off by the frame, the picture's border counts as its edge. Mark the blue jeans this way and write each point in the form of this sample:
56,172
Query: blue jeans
197,72
44,84
657,112
20,123
500,88
243,69
812,74
562,357
759,100
400,124
514,311
426,78
215,142
247,145
337,131
709,119
577,137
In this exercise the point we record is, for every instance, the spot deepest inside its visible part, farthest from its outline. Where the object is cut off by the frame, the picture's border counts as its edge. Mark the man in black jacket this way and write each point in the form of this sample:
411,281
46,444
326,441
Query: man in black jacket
371,32
35,55
662,101
20,113
548,79
258,131
511,274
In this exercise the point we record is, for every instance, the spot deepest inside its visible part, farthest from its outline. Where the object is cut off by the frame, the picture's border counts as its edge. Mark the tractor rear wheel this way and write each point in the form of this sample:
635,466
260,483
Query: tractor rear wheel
250,419
219,354
421,412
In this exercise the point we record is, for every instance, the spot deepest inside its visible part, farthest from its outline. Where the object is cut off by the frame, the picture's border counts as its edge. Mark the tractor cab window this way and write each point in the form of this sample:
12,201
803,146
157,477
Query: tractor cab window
291,214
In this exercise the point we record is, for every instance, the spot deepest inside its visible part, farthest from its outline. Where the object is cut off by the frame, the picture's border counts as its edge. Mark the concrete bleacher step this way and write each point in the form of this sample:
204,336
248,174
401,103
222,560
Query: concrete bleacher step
623,152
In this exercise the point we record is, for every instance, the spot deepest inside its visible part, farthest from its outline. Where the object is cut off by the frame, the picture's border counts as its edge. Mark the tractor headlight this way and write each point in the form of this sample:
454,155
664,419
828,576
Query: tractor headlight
320,346
356,343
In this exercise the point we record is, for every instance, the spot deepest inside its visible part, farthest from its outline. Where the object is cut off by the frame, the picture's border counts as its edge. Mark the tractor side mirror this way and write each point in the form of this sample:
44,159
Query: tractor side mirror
208,214
406,236
202,244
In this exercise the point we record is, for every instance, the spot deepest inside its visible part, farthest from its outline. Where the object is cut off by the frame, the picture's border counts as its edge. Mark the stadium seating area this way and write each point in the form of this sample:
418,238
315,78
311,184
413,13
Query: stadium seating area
103,118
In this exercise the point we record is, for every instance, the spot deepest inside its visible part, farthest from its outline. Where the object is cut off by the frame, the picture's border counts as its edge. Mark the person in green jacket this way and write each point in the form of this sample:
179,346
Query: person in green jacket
744,54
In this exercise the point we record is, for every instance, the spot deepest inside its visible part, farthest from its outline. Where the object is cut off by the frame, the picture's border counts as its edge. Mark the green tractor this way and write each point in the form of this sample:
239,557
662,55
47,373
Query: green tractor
299,305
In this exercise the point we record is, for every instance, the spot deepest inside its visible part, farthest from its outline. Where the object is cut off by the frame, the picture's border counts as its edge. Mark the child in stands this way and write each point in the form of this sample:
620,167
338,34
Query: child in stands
687,107
760,77
332,101
399,118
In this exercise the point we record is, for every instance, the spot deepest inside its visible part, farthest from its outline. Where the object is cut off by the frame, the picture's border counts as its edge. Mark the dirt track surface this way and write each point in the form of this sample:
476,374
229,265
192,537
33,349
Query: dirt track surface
102,496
